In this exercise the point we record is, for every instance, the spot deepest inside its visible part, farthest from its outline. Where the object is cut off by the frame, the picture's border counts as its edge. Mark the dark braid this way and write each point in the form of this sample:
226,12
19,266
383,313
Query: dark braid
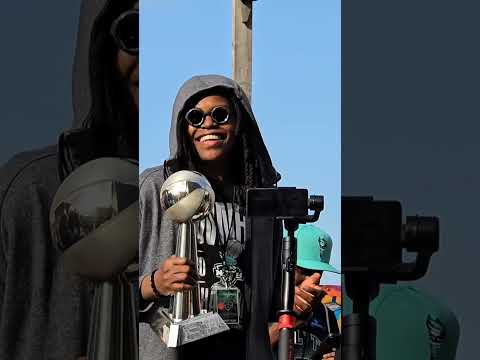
248,162
250,168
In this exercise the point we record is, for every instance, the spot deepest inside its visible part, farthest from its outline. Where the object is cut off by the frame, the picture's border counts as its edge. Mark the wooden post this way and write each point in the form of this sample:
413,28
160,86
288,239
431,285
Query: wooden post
242,44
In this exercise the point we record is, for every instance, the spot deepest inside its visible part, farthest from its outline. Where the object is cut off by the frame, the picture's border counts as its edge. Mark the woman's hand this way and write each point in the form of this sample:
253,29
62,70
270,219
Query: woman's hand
174,275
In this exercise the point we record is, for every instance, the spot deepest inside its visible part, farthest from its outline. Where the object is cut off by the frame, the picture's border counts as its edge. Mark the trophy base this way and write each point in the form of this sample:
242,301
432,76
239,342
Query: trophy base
186,331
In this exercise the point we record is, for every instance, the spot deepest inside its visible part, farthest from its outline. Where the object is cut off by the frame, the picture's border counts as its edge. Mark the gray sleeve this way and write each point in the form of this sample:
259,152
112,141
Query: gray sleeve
156,234
3,263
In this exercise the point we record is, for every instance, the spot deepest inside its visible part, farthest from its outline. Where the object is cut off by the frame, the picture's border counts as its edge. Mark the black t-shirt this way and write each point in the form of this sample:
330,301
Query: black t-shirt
221,242
308,338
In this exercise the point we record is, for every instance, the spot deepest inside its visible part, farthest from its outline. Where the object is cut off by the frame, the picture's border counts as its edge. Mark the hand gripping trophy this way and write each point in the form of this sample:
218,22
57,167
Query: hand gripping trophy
186,197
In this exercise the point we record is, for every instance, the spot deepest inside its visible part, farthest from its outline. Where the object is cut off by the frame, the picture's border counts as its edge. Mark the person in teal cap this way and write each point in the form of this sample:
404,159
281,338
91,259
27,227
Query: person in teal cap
411,324
316,323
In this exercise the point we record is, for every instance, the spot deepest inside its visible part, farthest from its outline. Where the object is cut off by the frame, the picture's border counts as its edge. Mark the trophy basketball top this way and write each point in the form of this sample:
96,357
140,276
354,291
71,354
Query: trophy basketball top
93,194
187,196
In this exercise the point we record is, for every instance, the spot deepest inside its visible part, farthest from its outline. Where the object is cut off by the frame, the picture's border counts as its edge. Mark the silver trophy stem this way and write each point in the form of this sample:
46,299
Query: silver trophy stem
114,323
186,304
186,197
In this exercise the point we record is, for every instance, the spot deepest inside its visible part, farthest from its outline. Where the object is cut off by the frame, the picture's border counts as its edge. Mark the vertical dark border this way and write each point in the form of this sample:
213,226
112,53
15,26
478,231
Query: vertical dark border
410,128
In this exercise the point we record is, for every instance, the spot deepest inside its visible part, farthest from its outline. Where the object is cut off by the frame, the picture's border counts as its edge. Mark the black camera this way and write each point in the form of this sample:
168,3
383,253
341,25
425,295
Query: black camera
374,239
282,203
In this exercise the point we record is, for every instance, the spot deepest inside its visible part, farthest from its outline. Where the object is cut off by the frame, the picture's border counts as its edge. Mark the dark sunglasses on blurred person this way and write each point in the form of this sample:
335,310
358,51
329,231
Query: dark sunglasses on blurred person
124,31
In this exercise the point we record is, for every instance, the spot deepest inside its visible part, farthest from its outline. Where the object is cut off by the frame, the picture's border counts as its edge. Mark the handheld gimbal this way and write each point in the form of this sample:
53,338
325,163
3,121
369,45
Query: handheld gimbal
292,206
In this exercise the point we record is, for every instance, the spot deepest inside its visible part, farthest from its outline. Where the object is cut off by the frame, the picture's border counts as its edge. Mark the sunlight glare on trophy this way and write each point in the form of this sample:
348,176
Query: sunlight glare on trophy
187,196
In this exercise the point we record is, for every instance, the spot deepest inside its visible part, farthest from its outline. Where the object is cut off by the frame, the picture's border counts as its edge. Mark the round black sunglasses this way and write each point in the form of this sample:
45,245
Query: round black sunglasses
196,117
124,31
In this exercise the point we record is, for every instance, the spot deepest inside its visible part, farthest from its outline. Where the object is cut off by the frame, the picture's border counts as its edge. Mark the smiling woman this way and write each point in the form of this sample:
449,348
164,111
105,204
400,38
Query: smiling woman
214,136
296,97
214,132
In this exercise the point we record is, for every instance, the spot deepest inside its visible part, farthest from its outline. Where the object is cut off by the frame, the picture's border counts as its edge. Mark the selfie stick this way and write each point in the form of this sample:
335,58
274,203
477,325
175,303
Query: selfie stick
287,316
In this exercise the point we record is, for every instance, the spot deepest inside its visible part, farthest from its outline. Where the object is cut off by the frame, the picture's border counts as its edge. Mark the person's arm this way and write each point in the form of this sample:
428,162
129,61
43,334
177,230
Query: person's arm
156,245
152,249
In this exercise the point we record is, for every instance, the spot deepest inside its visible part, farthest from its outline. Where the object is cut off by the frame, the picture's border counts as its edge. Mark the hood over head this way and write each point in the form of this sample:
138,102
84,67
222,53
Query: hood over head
104,113
196,88
94,56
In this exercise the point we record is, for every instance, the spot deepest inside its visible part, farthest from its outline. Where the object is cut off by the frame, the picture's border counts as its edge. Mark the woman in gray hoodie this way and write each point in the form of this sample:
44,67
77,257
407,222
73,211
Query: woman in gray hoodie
44,309
214,132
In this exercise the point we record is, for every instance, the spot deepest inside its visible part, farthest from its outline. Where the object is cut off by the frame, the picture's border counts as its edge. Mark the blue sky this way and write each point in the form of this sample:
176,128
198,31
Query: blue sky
296,85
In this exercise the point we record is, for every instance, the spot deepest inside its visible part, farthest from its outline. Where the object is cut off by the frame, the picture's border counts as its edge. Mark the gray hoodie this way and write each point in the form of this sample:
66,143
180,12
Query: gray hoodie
157,234
44,311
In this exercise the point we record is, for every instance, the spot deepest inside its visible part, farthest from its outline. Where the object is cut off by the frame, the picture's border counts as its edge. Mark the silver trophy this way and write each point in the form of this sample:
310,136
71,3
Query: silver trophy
94,223
186,197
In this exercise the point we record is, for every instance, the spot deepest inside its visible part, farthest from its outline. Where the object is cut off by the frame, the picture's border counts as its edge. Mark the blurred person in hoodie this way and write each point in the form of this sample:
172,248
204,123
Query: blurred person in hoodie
44,311
214,132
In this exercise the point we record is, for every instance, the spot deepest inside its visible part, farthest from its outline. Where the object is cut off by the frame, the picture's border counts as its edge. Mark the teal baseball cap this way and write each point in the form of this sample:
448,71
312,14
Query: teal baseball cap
410,324
314,248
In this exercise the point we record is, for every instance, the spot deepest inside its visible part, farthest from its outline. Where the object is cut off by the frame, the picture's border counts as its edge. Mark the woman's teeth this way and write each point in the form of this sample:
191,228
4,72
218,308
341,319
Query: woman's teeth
210,137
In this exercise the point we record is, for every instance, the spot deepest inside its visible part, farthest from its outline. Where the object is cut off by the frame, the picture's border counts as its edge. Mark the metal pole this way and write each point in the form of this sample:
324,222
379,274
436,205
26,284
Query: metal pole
242,44
286,316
